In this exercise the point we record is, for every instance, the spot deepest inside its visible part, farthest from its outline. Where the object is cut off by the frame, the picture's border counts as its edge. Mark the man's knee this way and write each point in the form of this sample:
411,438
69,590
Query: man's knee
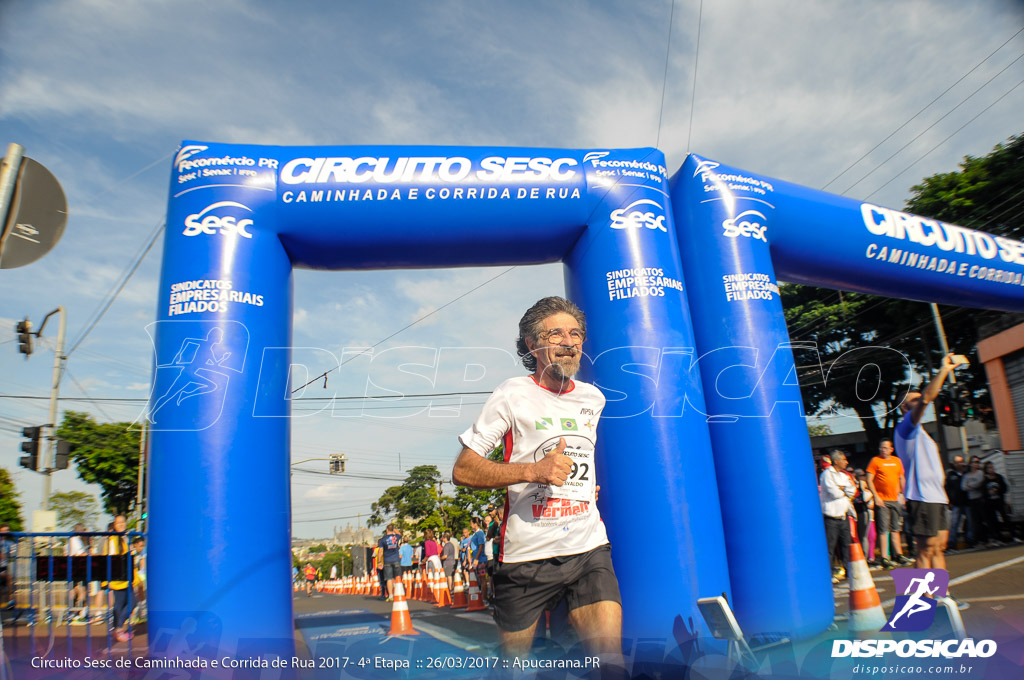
517,642
598,620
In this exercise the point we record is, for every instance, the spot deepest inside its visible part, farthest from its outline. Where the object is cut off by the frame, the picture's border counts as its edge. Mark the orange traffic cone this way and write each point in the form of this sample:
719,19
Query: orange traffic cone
866,613
431,586
459,596
435,586
401,622
444,597
417,586
476,602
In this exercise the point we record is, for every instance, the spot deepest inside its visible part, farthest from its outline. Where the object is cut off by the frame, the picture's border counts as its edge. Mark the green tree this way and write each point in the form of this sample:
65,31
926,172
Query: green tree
852,353
418,503
335,557
10,508
106,454
319,548
75,507
819,430
410,503
986,193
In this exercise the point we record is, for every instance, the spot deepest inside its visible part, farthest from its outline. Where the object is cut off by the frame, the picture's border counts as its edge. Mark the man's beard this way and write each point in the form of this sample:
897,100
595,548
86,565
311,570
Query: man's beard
565,367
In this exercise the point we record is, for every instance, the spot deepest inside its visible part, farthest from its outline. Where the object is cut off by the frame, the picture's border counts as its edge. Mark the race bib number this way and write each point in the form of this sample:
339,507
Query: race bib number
581,482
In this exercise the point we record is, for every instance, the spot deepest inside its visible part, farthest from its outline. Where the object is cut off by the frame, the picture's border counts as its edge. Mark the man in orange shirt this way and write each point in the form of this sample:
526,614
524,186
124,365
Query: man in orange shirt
886,480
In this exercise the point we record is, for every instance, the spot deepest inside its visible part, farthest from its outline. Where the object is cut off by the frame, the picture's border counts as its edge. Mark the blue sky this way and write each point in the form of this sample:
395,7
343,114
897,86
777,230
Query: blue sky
102,93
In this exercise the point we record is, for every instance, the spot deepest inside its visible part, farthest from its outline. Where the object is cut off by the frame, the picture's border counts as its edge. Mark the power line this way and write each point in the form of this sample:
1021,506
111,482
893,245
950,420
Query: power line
926,154
408,326
102,309
82,389
926,106
327,519
693,89
133,400
941,118
354,475
664,77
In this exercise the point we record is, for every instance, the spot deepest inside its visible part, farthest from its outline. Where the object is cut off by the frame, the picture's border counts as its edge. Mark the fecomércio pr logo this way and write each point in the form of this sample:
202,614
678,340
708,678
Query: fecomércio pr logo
914,610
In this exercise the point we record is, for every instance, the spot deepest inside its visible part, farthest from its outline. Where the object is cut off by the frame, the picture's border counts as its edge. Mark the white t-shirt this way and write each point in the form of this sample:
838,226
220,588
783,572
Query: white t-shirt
76,546
544,521
925,476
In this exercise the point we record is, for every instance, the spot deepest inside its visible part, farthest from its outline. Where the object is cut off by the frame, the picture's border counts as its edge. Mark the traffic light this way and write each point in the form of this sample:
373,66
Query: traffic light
337,463
944,409
63,451
24,330
30,447
967,405
956,416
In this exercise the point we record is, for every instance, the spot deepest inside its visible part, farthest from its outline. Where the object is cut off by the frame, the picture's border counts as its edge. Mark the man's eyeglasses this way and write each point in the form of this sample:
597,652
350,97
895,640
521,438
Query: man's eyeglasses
557,335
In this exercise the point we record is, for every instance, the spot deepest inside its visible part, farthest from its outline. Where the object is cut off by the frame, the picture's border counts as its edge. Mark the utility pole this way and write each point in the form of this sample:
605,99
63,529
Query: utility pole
58,371
8,180
952,377
140,492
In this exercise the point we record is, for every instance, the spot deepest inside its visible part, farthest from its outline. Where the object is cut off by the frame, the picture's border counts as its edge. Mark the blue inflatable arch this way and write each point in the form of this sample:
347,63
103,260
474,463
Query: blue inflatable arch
704,459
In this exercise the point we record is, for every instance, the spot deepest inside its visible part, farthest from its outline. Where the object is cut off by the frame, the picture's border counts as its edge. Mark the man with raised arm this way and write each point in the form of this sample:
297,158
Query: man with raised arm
925,471
554,543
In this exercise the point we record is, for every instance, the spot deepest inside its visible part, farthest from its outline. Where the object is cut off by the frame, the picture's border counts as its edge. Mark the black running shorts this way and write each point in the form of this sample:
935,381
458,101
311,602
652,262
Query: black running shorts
523,590
927,519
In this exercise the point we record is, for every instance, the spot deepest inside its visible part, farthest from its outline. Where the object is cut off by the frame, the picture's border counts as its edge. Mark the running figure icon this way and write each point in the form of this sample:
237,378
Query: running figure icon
916,604
194,359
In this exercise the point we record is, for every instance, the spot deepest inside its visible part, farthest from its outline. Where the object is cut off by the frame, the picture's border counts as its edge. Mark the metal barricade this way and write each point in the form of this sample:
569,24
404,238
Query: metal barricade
42,585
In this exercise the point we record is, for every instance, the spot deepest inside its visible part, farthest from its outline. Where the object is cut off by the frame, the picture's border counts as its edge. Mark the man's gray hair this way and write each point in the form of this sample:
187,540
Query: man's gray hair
531,325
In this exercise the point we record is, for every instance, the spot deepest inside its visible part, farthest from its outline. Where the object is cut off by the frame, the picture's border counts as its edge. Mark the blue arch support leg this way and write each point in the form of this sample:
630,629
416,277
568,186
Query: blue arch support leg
772,518
220,497
659,500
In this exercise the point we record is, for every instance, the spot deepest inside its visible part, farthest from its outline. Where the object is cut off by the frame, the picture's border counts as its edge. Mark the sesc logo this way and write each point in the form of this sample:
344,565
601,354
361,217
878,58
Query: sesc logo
187,152
749,223
226,225
634,216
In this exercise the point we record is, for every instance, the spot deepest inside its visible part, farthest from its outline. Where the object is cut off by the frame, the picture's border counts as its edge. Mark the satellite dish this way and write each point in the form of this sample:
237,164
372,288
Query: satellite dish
36,218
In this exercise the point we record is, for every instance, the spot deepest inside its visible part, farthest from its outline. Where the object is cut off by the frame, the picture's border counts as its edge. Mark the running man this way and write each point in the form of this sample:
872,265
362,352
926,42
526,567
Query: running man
554,543
310,572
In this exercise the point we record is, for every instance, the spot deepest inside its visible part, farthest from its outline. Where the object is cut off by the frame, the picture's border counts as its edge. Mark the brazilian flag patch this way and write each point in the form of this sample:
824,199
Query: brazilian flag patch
569,424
